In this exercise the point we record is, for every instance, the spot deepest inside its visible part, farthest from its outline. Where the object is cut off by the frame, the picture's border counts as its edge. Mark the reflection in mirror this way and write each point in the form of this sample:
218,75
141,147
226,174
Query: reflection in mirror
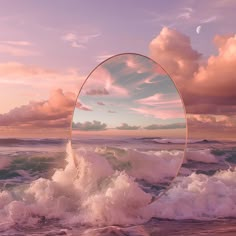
128,127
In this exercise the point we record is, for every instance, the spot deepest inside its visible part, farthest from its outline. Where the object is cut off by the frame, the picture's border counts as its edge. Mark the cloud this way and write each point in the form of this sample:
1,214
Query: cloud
101,82
78,41
125,126
17,43
217,77
209,20
97,92
159,99
174,52
168,126
206,87
101,103
26,74
111,111
17,48
16,69
211,106
54,112
102,58
72,39
90,126
83,107
160,114
134,64
186,13
212,124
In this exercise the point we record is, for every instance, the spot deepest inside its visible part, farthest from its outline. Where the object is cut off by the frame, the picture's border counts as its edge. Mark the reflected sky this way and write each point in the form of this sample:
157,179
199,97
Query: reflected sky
129,92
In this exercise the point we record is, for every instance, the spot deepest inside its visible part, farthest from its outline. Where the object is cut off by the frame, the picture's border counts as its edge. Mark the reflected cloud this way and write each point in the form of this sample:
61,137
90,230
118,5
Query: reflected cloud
125,126
89,126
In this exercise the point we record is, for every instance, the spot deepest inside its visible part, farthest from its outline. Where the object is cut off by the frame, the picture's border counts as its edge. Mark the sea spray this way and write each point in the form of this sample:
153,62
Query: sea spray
200,197
94,193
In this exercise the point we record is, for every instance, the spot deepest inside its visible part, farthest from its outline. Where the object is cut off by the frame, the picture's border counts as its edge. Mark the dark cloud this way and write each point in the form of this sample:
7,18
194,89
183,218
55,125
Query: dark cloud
94,92
111,111
213,125
125,126
90,126
101,103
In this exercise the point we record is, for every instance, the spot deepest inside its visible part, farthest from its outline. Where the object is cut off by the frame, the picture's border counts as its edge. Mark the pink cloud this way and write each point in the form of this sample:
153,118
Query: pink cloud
97,92
161,114
83,107
206,87
135,65
214,126
13,69
102,83
217,77
25,74
174,52
54,112
159,99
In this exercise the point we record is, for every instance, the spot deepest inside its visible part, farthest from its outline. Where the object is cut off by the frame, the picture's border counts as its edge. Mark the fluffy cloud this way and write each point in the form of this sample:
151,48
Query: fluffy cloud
125,126
90,126
54,112
174,52
218,76
205,87
206,121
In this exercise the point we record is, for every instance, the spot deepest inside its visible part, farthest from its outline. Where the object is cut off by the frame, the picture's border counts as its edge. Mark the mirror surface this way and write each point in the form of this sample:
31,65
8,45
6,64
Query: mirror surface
129,120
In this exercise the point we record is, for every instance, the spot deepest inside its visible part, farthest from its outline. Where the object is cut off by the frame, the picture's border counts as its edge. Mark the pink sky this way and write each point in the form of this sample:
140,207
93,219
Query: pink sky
48,49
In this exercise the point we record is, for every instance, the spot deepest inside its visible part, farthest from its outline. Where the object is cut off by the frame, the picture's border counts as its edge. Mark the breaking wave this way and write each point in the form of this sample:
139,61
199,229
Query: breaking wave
102,190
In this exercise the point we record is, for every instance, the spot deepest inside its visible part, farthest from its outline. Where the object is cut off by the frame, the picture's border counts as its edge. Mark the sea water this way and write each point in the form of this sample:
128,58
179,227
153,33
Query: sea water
100,186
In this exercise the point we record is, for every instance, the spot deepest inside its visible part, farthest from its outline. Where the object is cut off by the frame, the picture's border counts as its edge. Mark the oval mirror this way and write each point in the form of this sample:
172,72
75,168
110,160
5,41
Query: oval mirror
129,119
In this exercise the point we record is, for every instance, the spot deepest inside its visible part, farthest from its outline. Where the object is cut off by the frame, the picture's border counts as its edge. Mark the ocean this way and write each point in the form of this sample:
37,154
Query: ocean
117,186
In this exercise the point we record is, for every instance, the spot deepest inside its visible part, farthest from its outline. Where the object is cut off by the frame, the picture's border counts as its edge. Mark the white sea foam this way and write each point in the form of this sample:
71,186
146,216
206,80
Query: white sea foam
204,156
152,166
199,197
94,193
